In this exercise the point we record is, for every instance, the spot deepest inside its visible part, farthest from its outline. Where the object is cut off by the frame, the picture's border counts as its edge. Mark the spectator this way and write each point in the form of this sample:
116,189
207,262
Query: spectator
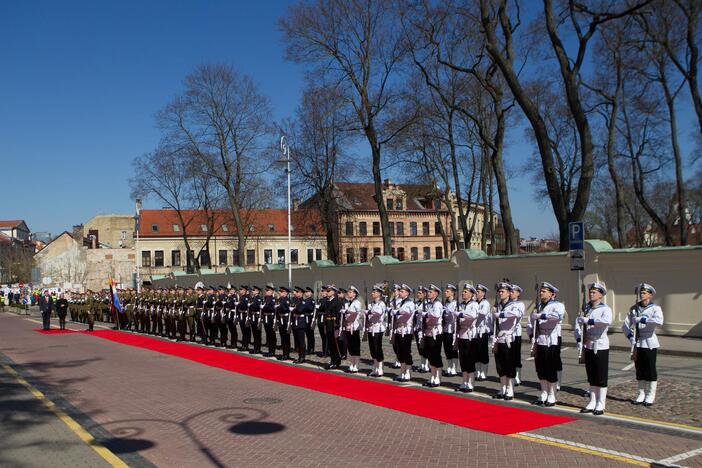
61,310
46,303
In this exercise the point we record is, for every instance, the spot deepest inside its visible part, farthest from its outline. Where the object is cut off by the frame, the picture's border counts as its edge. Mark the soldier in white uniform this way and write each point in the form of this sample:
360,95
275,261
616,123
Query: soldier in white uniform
448,323
517,342
352,326
420,310
505,316
591,334
432,335
467,336
395,305
640,327
484,327
546,323
402,334
376,323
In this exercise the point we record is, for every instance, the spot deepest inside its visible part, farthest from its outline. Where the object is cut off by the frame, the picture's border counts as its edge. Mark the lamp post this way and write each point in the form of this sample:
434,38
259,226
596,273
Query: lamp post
136,248
285,149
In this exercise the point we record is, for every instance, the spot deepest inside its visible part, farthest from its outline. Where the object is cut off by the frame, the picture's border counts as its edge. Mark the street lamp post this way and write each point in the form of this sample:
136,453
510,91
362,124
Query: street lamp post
286,157
136,248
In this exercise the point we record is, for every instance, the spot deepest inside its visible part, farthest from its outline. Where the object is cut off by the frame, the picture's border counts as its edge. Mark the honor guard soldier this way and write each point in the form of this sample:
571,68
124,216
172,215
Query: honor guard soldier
640,327
283,319
268,318
419,311
484,326
230,307
209,316
545,323
332,326
221,316
467,336
506,315
352,327
432,335
517,336
402,332
298,316
448,323
199,314
244,319
591,337
309,333
376,323
255,317
321,312
395,306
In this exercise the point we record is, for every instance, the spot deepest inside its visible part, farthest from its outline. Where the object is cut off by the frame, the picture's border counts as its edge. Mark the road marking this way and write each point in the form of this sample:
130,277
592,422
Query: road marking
584,448
628,367
77,429
680,457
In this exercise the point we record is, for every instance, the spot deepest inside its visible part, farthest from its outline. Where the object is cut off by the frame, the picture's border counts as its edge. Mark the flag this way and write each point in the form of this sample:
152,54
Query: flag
115,297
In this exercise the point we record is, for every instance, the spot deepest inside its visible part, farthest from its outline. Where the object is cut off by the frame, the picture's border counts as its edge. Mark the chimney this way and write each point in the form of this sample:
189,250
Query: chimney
78,232
387,183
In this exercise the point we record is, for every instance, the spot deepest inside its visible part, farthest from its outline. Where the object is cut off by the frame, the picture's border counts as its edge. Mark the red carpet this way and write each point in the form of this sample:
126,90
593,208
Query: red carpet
451,409
53,331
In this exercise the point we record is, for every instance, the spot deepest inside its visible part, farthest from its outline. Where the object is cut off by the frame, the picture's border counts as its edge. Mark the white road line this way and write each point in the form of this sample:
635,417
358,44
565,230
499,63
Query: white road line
680,457
628,367
589,447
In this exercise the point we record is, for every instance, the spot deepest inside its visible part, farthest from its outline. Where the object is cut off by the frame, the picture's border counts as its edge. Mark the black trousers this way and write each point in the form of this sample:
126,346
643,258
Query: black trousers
403,345
245,333
353,341
646,364
332,342
62,321
375,343
223,329
517,351
447,341
559,361
483,349
467,354
204,327
299,334
233,334
597,367
270,336
322,336
420,349
214,332
284,340
433,349
546,361
256,333
504,361
46,320
309,334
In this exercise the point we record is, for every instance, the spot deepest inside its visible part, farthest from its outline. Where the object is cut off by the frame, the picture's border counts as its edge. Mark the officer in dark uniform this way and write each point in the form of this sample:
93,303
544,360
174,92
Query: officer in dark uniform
207,316
268,318
308,295
283,319
321,311
255,318
332,326
199,317
244,318
219,319
230,307
300,323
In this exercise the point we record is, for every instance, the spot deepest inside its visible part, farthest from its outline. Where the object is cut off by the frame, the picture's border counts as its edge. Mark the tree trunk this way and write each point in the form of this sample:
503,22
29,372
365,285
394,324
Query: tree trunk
378,188
511,240
611,163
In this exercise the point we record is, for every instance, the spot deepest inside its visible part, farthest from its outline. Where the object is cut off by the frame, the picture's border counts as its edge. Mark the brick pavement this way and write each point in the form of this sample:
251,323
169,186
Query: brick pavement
176,412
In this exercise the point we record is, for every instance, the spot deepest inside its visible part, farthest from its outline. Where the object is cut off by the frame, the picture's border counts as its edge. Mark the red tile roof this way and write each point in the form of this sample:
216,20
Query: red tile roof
10,223
360,196
265,222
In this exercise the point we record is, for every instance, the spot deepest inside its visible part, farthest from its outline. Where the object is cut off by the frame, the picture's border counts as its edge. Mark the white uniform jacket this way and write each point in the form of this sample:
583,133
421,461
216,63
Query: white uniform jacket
466,316
448,321
646,331
353,313
596,320
550,318
376,317
432,322
404,316
509,314
484,321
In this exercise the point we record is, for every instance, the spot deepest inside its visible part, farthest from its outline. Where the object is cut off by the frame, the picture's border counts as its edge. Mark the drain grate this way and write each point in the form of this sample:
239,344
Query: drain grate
263,401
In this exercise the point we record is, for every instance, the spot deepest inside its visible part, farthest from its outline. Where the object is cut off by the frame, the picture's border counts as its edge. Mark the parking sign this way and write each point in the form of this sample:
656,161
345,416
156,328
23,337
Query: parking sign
576,245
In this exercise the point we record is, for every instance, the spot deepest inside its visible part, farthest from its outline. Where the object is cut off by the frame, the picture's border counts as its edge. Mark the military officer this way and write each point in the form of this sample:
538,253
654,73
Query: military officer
504,318
640,327
432,334
418,328
545,322
332,326
268,317
300,322
484,327
376,322
394,306
321,311
467,336
220,317
448,324
283,320
517,336
402,333
255,312
230,306
244,318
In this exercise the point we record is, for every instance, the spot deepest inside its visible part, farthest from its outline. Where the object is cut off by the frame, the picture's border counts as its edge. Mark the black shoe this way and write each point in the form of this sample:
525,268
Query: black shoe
508,398
585,411
537,403
331,367
647,405
427,384
598,412
280,358
498,396
634,402
549,405
320,354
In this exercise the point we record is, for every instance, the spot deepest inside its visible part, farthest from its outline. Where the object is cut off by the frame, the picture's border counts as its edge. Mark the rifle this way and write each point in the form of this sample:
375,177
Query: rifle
583,327
535,328
366,313
637,309
290,313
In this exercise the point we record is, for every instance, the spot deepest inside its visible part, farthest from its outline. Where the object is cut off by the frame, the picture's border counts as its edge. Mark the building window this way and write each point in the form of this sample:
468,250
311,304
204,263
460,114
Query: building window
437,204
413,228
293,256
398,203
175,257
158,258
376,228
414,253
401,254
123,235
176,228
349,228
437,228
250,256
268,256
425,228
318,253
363,254
400,228
376,251
271,228
225,228
205,258
235,257
146,258
154,228
439,253
427,253
349,255
222,257
392,251
203,227
310,256
362,228
389,204
191,258
281,257
392,228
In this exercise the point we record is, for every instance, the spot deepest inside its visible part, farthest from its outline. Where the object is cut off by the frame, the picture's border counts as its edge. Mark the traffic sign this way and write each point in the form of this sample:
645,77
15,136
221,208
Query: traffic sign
576,235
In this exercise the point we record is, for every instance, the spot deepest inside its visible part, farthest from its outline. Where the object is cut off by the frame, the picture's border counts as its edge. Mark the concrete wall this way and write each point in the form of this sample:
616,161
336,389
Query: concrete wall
101,264
110,229
674,272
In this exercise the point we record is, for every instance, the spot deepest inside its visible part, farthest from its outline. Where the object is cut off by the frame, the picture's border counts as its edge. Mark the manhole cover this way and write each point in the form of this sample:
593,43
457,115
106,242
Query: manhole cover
262,401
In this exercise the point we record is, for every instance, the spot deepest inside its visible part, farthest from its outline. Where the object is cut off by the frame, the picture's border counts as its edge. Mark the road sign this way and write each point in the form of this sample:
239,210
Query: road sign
576,235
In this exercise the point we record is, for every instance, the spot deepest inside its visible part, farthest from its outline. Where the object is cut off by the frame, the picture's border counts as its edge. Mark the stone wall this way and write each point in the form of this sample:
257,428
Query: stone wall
673,271
101,264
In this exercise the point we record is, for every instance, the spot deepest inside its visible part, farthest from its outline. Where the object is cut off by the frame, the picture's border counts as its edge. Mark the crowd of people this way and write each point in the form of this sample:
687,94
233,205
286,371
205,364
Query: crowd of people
450,329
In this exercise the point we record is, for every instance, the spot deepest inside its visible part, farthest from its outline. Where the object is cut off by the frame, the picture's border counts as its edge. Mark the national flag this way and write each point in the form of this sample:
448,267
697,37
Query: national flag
115,297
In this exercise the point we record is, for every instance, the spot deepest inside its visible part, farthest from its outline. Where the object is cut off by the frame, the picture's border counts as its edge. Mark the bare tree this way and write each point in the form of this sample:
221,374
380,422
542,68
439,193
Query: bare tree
356,43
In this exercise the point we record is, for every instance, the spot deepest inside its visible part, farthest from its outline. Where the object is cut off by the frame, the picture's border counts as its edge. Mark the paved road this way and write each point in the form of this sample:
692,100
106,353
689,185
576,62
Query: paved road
152,408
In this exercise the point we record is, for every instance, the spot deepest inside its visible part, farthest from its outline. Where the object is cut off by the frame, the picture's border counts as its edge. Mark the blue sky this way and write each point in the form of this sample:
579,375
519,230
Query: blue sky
81,82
